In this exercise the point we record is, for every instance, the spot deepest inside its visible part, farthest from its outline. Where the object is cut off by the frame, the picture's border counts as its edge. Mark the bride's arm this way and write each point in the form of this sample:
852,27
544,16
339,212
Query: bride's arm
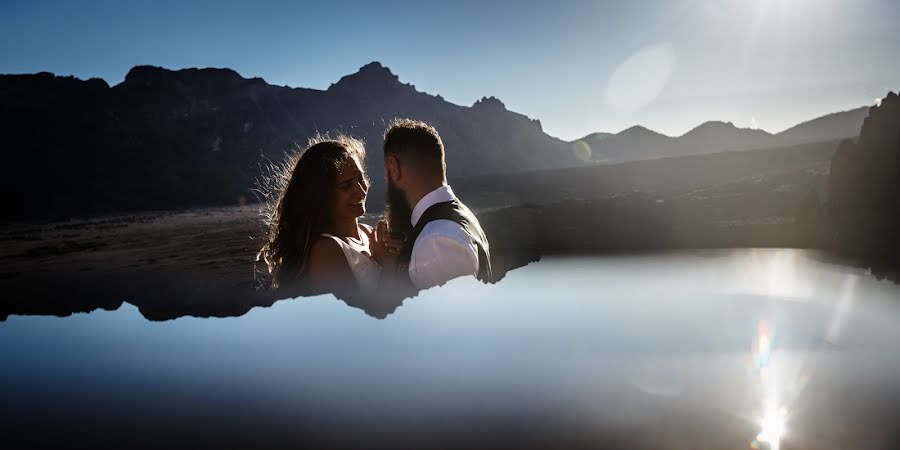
329,270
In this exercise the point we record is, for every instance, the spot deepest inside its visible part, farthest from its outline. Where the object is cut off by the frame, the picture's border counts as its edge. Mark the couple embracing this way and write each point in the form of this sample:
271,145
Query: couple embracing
315,242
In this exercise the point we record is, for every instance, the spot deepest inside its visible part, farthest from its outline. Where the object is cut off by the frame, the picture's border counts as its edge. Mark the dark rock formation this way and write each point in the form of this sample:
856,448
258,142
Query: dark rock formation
166,139
864,190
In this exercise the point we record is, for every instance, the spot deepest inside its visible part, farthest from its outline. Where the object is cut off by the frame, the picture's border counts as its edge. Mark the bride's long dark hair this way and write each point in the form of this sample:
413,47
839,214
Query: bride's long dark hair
305,187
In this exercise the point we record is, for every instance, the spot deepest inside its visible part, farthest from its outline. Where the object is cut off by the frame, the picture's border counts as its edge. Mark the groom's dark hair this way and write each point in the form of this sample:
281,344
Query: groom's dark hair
416,143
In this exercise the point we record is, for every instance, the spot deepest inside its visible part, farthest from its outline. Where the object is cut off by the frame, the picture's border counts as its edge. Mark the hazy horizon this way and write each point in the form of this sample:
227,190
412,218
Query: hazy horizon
579,68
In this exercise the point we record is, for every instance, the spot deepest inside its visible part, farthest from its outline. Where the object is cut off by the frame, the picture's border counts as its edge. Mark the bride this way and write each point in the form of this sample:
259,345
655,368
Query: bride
315,242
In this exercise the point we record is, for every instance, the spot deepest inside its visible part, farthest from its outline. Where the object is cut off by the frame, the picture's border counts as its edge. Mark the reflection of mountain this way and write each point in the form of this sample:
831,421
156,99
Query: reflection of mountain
169,139
638,143
864,194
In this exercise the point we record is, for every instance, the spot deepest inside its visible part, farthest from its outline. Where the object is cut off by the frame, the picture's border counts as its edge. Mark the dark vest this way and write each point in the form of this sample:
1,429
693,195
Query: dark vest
457,212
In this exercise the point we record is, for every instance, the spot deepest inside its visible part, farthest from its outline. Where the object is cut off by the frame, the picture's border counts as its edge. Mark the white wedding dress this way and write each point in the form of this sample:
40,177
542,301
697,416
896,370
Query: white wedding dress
365,270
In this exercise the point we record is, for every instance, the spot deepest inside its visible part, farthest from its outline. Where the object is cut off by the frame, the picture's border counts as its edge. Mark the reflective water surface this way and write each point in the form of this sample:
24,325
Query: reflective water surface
737,349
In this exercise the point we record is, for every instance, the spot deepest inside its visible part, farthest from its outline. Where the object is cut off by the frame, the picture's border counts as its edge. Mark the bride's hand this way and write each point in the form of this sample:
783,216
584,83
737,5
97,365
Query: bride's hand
385,249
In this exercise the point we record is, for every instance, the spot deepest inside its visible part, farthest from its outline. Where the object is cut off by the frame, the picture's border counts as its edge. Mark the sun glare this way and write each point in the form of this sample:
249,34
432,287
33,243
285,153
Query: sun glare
772,422
771,428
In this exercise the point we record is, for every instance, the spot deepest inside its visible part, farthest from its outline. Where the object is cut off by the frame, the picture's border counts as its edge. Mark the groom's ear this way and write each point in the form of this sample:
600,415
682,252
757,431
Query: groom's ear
392,168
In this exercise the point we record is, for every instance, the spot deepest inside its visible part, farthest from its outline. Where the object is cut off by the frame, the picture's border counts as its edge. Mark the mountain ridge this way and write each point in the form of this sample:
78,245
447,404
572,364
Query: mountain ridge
712,136
168,139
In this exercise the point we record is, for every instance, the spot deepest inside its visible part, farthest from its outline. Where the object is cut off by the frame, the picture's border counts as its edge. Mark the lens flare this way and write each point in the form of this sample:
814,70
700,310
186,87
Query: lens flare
641,78
762,351
582,150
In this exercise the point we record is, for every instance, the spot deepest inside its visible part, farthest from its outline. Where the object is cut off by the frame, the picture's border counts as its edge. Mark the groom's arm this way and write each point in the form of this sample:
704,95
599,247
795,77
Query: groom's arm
443,251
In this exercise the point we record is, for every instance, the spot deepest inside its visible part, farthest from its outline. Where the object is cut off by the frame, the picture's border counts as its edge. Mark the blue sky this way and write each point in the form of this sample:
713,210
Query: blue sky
578,66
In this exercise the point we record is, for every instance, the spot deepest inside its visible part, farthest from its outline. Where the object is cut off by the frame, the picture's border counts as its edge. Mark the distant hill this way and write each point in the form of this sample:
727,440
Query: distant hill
681,175
165,139
840,125
721,136
639,143
633,144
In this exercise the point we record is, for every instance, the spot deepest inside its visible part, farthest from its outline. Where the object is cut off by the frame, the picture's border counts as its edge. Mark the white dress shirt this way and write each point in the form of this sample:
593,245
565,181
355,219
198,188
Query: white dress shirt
444,250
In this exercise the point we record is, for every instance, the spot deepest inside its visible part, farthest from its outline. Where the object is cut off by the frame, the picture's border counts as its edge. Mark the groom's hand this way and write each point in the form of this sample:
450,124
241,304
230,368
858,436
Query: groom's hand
385,247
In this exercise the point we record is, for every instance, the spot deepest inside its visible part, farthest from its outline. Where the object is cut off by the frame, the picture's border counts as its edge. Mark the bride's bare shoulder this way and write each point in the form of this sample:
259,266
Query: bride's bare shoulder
325,252
328,267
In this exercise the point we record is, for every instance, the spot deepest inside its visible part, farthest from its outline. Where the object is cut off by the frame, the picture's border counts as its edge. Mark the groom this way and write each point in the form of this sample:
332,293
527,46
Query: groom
443,238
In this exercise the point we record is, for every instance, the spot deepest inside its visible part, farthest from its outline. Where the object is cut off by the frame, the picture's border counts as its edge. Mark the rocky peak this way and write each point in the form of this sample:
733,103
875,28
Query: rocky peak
713,125
716,124
892,100
882,123
716,128
599,136
372,77
144,74
489,104
637,131
152,75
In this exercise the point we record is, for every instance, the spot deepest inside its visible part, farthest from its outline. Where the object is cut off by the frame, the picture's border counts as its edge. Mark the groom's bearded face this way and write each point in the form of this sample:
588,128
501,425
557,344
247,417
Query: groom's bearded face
399,213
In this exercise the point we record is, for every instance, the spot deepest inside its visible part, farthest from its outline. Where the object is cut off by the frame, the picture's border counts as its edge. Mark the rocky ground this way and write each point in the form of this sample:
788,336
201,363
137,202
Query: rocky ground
168,264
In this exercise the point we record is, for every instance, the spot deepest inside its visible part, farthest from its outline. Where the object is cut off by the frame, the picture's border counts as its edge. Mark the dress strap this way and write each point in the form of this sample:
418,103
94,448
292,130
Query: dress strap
339,240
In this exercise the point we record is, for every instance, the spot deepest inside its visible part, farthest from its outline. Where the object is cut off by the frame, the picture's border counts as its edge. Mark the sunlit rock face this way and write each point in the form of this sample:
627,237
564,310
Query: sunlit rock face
166,139
865,186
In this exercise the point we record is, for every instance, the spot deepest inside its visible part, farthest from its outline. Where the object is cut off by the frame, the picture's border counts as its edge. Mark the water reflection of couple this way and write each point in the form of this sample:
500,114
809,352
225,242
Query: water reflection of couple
428,237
